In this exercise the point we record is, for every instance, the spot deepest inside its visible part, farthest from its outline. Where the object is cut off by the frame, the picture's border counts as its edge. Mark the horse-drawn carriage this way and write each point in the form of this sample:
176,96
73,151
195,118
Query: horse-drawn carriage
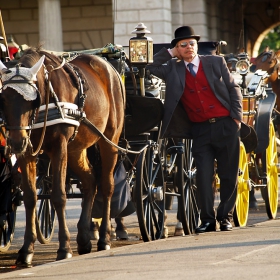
258,164
155,170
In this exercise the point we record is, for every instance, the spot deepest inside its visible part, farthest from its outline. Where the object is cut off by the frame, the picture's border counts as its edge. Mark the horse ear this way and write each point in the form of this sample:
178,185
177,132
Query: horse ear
36,67
2,66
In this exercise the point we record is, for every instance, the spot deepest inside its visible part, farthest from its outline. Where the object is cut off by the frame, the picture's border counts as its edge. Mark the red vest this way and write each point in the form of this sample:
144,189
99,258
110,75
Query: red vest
199,100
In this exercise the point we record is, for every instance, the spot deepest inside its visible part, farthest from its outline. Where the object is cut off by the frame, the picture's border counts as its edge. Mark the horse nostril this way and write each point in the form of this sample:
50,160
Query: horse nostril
18,147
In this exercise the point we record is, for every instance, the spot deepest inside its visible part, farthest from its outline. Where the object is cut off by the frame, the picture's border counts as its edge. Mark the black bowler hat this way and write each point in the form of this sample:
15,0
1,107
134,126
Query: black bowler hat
183,32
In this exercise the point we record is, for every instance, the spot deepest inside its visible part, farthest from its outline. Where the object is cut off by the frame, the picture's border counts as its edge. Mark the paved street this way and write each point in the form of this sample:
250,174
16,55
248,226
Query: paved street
250,252
244,253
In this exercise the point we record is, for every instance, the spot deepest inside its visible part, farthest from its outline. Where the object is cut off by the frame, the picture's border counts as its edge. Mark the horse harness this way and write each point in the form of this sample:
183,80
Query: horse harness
60,112
24,80
54,113
270,54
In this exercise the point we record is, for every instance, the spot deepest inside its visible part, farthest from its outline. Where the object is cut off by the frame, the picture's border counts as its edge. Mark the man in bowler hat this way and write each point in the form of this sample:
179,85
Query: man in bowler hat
203,102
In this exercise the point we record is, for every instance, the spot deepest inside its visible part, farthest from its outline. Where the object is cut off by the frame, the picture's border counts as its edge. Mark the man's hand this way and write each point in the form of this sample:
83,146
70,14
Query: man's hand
175,53
238,122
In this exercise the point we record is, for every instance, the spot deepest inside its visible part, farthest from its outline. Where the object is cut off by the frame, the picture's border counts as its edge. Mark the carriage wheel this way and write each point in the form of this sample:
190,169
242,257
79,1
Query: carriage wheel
187,202
270,192
45,219
240,215
150,195
7,229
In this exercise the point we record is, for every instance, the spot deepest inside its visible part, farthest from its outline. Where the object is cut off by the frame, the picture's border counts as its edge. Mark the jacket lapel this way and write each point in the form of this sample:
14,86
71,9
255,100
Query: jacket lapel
181,70
208,71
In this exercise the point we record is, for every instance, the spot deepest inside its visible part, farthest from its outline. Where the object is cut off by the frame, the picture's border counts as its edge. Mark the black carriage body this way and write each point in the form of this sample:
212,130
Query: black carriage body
262,120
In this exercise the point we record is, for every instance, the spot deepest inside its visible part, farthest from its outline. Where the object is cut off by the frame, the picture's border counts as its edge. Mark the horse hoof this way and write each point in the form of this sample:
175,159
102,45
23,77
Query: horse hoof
24,259
165,232
121,234
102,247
84,249
179,231
63,254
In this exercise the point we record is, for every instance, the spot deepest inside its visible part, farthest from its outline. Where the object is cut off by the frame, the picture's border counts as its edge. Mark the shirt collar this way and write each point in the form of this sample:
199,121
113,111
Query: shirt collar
195,61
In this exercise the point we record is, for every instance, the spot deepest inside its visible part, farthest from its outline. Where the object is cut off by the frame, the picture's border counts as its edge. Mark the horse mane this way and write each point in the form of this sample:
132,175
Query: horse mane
32,54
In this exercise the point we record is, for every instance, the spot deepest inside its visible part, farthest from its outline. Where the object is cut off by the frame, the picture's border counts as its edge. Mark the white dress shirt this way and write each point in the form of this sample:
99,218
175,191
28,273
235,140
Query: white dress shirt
195,63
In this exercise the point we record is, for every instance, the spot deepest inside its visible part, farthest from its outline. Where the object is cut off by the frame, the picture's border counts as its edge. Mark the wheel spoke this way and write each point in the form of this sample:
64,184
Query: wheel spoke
154,218
7,231
149,185
45,219
242,200
153,178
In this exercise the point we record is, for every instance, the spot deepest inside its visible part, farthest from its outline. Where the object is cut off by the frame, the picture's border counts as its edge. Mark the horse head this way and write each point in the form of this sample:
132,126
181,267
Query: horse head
19,99
268,61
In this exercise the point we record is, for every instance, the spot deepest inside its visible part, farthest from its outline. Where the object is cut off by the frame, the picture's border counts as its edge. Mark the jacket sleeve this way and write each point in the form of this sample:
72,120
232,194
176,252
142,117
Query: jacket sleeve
222,83
234,93
161,65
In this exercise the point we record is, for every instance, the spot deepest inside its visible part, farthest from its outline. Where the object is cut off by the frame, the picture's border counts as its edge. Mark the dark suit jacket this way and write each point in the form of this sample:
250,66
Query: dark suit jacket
173,71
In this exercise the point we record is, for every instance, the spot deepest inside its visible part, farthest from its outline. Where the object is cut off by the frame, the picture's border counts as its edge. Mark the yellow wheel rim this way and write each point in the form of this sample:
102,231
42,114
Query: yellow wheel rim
272,173
243,188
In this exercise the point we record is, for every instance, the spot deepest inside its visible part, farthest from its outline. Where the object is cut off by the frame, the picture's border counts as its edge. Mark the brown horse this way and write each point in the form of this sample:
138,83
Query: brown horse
94,88
269,61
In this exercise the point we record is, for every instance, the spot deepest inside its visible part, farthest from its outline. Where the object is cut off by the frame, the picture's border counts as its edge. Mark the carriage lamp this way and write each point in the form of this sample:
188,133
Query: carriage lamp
141,52
243,65
140,47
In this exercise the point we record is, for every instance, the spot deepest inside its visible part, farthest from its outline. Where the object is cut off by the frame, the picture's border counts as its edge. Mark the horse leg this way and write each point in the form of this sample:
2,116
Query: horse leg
58,198
109,156
121,231
79,165
28,172
94,230
179,231
165,227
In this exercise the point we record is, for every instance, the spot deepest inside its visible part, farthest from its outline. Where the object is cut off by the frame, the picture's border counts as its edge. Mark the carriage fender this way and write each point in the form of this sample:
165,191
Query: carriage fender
262,120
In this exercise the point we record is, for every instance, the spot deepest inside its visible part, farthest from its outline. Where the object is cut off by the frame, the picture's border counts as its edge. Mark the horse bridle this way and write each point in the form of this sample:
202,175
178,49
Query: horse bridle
264,56
33,115
23,81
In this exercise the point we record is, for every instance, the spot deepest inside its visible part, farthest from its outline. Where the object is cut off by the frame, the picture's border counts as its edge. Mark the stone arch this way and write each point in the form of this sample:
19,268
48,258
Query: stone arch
260,39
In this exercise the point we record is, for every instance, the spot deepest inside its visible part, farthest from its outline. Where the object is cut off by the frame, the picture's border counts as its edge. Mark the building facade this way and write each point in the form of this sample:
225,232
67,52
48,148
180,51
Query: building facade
67,25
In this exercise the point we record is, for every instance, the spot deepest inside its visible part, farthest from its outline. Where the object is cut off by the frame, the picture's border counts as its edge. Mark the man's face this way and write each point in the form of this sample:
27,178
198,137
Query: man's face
187,48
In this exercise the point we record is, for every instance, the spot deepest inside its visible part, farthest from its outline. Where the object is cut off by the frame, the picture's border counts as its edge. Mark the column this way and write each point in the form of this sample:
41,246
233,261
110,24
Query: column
155,14
50,25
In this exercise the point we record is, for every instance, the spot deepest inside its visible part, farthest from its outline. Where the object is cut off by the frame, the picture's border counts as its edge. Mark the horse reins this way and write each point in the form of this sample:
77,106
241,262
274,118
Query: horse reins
23,81
273,57
49,91
47,99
